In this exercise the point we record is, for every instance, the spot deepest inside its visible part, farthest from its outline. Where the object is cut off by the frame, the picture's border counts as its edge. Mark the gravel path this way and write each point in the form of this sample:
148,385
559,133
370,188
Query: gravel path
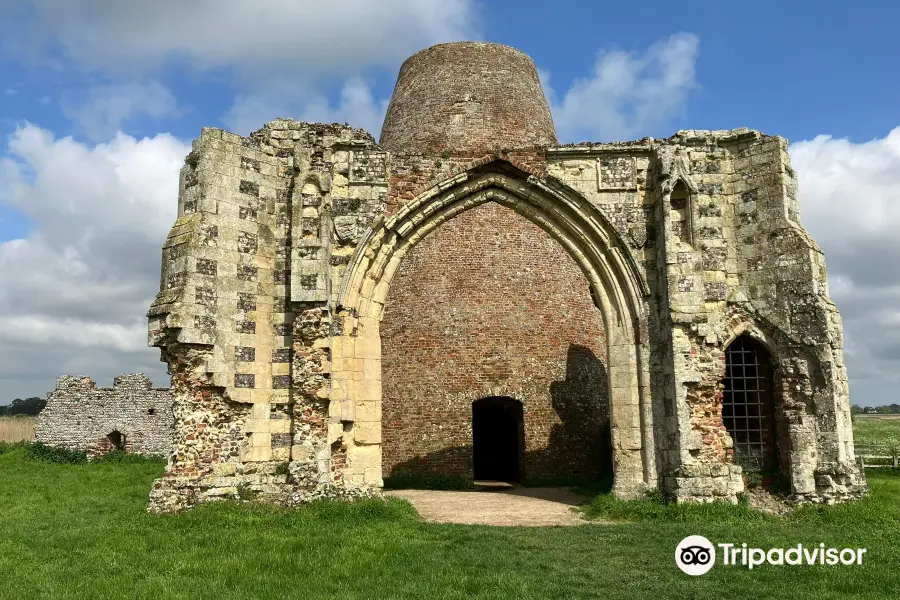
530,507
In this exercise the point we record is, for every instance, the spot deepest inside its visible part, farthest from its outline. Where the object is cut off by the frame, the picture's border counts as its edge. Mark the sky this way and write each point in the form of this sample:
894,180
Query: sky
99,101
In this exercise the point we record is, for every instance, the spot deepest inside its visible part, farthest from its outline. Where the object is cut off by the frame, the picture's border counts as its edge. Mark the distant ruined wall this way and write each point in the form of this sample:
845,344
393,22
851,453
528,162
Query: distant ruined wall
81,416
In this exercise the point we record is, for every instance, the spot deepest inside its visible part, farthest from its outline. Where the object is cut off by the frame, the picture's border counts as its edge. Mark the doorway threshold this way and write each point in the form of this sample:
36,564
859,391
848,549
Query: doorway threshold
493,484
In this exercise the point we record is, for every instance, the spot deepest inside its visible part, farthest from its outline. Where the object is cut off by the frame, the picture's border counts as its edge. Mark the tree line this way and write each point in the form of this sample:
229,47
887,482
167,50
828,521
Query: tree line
29,406
887,409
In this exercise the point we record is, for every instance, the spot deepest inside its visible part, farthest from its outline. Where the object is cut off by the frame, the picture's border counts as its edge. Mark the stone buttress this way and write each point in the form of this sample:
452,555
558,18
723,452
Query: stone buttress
243,316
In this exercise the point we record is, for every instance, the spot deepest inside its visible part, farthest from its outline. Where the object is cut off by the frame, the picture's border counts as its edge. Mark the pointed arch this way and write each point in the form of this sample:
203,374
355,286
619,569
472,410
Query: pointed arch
681,211
748,403
591,241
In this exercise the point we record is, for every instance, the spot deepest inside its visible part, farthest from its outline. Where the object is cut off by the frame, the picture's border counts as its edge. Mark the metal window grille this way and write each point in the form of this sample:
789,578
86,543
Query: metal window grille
747,409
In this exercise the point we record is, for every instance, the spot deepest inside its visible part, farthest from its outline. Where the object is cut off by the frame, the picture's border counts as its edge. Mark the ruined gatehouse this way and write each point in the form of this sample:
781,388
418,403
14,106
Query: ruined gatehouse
131,416
468,297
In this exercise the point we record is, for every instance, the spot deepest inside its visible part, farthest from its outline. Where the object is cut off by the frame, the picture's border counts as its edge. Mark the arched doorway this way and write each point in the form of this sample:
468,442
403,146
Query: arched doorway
497,439
591,241
747,407
116,440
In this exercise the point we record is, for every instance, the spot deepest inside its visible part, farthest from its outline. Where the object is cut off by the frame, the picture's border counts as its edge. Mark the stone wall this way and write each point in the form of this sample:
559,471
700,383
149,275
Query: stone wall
306,261
243,316
490,305
131,414
723,250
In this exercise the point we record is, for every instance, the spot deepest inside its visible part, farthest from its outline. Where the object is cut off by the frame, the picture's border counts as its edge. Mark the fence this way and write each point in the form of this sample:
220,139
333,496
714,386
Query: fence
871,456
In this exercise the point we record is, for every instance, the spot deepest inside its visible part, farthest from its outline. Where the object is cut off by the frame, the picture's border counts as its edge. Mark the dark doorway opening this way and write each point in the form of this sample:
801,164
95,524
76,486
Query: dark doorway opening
117,440
498,435
747,408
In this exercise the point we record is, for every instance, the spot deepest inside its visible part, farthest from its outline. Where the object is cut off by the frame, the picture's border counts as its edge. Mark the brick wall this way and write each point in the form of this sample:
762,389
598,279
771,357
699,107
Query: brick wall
467,96
487,305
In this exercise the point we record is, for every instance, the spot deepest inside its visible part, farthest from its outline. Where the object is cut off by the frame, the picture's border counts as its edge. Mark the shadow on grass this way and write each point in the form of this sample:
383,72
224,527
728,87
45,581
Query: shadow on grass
655,507
347,514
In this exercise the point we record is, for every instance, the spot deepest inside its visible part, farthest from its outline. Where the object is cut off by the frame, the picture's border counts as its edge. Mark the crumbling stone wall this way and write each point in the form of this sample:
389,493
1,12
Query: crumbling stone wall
304,263
81,416
490,305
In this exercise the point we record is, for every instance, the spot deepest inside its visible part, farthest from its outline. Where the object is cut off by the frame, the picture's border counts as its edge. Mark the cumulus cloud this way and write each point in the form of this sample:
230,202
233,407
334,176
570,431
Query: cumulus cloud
626,95
100,111
356,106
850,202
258,38
281,55
74,292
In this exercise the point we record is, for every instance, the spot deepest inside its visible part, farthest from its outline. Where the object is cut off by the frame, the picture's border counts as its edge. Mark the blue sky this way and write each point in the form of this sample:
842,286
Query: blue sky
99,102
797,69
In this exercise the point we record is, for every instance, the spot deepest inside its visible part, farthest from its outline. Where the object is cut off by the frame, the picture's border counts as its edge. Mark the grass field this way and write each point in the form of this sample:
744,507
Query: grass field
81,531
883,430
17,429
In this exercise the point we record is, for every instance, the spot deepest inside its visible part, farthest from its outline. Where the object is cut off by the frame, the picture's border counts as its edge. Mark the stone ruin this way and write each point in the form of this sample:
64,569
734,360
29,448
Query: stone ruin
468,297
131,416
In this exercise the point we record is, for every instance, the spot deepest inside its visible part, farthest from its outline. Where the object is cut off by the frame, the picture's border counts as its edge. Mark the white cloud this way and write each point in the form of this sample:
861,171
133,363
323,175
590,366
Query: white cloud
75,291
280,55
259,39
100,111
626,96
356,106
850,202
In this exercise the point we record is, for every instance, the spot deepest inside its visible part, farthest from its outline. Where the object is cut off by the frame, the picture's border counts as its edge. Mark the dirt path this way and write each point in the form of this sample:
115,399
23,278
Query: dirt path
530,507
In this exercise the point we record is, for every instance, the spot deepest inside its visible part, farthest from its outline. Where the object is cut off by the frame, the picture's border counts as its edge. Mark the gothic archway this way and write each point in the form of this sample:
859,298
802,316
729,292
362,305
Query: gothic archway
591,241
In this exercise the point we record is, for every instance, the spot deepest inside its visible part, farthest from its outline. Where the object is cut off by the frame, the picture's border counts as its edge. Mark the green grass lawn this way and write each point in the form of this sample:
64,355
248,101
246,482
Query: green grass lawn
876,431
81,531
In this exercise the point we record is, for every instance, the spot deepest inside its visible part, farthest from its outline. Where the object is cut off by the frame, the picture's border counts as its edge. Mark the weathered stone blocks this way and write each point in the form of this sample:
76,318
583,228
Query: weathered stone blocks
330,308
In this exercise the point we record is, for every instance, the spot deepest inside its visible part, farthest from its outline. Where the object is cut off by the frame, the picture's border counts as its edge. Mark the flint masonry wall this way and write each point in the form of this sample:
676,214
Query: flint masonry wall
730,259
295,282
265,223
490,305
81,416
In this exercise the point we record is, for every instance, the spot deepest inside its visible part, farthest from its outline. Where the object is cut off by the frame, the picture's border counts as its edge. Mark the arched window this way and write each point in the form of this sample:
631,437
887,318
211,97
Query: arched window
680,202
747,407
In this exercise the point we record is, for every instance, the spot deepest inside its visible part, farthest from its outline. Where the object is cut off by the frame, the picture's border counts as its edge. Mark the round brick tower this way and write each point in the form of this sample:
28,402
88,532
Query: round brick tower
493,352
468,97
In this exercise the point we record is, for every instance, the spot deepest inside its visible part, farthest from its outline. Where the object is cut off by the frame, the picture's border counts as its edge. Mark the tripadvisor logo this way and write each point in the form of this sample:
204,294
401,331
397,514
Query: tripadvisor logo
696,555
